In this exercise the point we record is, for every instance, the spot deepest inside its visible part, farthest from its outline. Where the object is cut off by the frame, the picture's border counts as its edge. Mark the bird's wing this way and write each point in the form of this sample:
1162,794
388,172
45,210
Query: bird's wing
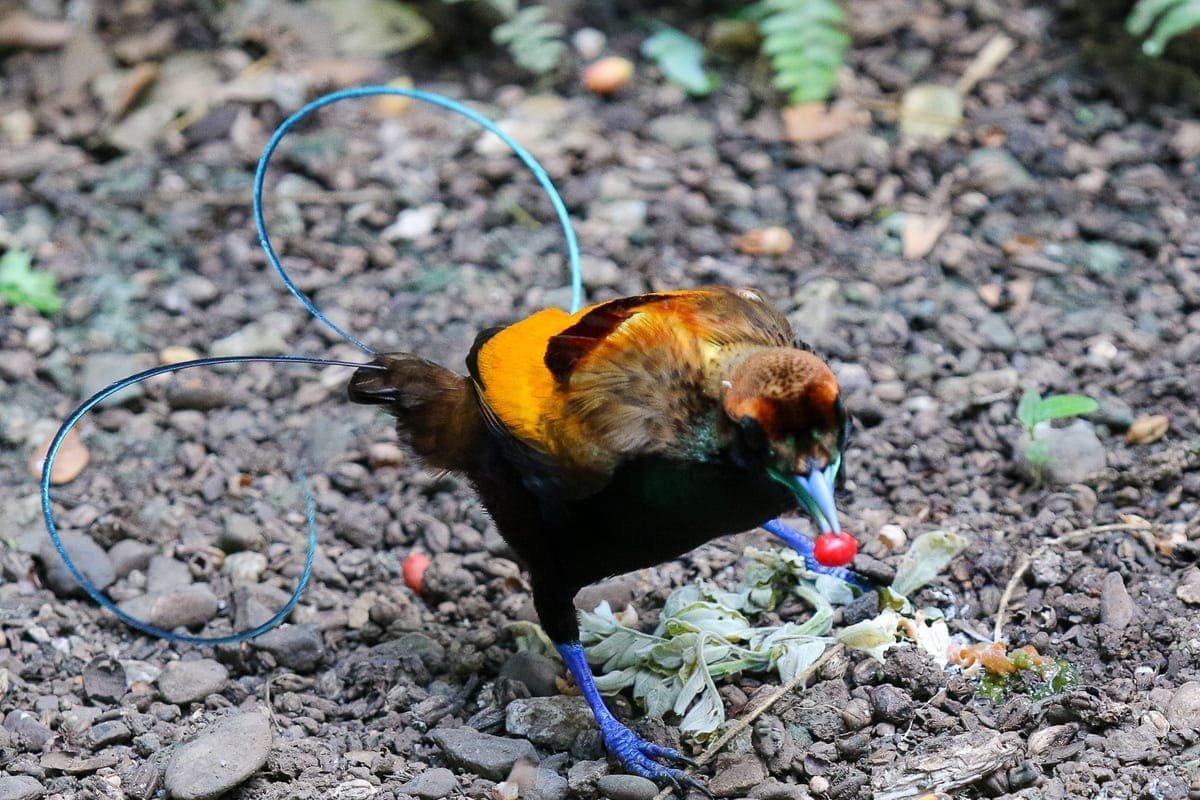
627,377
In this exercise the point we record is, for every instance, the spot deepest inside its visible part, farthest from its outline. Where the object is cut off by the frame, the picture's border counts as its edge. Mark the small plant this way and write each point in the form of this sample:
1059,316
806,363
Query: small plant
705,633
806,41
22,285
1034,409
1163,20
534,43
681,59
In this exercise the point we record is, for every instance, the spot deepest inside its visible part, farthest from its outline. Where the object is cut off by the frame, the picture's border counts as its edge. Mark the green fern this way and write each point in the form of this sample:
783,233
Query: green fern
1168,18
534,43
805,40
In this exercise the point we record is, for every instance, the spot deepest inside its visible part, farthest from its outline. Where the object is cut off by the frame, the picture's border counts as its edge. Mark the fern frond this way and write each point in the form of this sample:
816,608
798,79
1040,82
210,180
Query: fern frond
806,42
1164,20
534,43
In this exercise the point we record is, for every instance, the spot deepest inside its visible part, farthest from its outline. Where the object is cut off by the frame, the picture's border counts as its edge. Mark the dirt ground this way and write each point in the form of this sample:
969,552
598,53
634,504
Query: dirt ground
1070,263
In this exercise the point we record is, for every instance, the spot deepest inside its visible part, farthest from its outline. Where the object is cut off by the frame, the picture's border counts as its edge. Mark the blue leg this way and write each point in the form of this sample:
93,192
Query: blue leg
633,751
804,546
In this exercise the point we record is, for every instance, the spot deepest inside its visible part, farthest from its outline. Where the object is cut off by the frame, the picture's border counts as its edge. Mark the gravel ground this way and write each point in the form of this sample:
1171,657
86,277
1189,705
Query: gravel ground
1068,264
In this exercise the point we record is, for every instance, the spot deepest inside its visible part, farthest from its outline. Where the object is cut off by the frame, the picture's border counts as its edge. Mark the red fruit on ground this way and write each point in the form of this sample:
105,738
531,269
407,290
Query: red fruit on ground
835,549
413,567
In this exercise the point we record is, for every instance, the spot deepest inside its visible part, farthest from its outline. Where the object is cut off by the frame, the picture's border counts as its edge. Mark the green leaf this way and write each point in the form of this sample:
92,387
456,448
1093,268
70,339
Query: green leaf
806,43
1027,410
533,43
681,59
872,636
1061,406
374,27
928,556
1037,453
22,285
1163,20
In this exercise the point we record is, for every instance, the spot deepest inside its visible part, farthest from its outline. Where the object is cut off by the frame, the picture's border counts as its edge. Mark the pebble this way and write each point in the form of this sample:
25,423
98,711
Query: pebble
245,567
220,758
1188,589
296,647
995,172
20,787
552,722
187,607
1116,606
104,680
89,558
240,533
680,131
261,338
27,730
103,734
1075,452
166,574
1183,709
196,393
627,787
432,784
772,789
189,681
736,774
102,369
892,704
486,755
536,671
128,555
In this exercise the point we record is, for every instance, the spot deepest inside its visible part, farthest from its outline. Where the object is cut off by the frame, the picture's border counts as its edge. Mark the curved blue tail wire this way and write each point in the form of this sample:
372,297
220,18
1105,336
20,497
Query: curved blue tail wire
537,169
264,240
86,583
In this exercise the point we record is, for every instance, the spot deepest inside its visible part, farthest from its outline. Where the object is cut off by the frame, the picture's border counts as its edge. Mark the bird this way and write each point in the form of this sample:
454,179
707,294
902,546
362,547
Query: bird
623,436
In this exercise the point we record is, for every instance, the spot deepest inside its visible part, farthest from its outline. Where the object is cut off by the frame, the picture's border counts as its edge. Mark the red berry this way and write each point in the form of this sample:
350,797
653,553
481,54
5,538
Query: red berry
835,549
413,566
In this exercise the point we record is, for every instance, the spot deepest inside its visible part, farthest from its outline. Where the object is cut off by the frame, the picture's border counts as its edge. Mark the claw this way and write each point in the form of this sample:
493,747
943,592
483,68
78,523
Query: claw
639,756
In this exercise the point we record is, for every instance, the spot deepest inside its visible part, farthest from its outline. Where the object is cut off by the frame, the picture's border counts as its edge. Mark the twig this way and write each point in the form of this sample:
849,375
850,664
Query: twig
1083,533
1002,611
741,723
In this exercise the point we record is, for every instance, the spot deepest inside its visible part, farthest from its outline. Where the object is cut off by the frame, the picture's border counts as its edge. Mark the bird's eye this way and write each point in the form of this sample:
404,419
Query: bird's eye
753,434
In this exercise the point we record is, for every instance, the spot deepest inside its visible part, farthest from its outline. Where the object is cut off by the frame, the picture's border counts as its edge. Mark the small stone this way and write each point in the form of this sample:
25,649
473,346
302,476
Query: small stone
1188,589
489,756
20,787
540,784
189,606
552,722
414,223
166,574
892,704
103,734
1116,606
245,567
262,338
432,784
1074,453
680,131
1186,141
1148,429
220,758
27,731
736,774
1183,709
128,555
89,558
190,392
69,461
627,787
772,789
384,454
104,680
539,673
296,647
996,332
103,369
189,681
995,172
240,533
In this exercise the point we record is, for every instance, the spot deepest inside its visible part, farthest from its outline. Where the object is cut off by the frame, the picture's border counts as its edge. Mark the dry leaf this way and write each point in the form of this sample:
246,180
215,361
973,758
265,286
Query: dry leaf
1021,244
394,105
932,112
920,233
176,354
1148,429
72,457
772,241
139,79
814,122
985,63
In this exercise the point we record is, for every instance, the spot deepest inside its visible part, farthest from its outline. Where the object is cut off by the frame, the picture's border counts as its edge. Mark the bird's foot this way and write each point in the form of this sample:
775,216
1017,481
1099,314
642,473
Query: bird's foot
643,758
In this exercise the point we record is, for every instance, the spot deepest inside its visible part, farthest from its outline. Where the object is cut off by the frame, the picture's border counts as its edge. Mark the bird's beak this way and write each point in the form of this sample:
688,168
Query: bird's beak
815,493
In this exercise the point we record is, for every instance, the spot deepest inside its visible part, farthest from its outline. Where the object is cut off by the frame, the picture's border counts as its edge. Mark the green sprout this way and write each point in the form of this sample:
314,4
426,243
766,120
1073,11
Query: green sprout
1034,409
22,285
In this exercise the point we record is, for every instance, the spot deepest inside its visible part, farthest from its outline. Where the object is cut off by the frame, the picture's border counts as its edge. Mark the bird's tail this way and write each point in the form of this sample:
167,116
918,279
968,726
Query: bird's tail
436,414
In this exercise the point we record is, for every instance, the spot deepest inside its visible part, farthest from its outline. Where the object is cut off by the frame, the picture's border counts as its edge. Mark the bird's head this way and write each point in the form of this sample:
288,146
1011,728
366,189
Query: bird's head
786,404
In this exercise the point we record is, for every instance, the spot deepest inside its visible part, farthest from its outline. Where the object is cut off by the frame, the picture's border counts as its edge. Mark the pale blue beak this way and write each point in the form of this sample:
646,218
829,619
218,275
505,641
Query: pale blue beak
818,486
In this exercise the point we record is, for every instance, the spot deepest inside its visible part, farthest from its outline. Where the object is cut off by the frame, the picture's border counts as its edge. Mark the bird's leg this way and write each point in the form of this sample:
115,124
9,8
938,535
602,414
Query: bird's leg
637,754
804,546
